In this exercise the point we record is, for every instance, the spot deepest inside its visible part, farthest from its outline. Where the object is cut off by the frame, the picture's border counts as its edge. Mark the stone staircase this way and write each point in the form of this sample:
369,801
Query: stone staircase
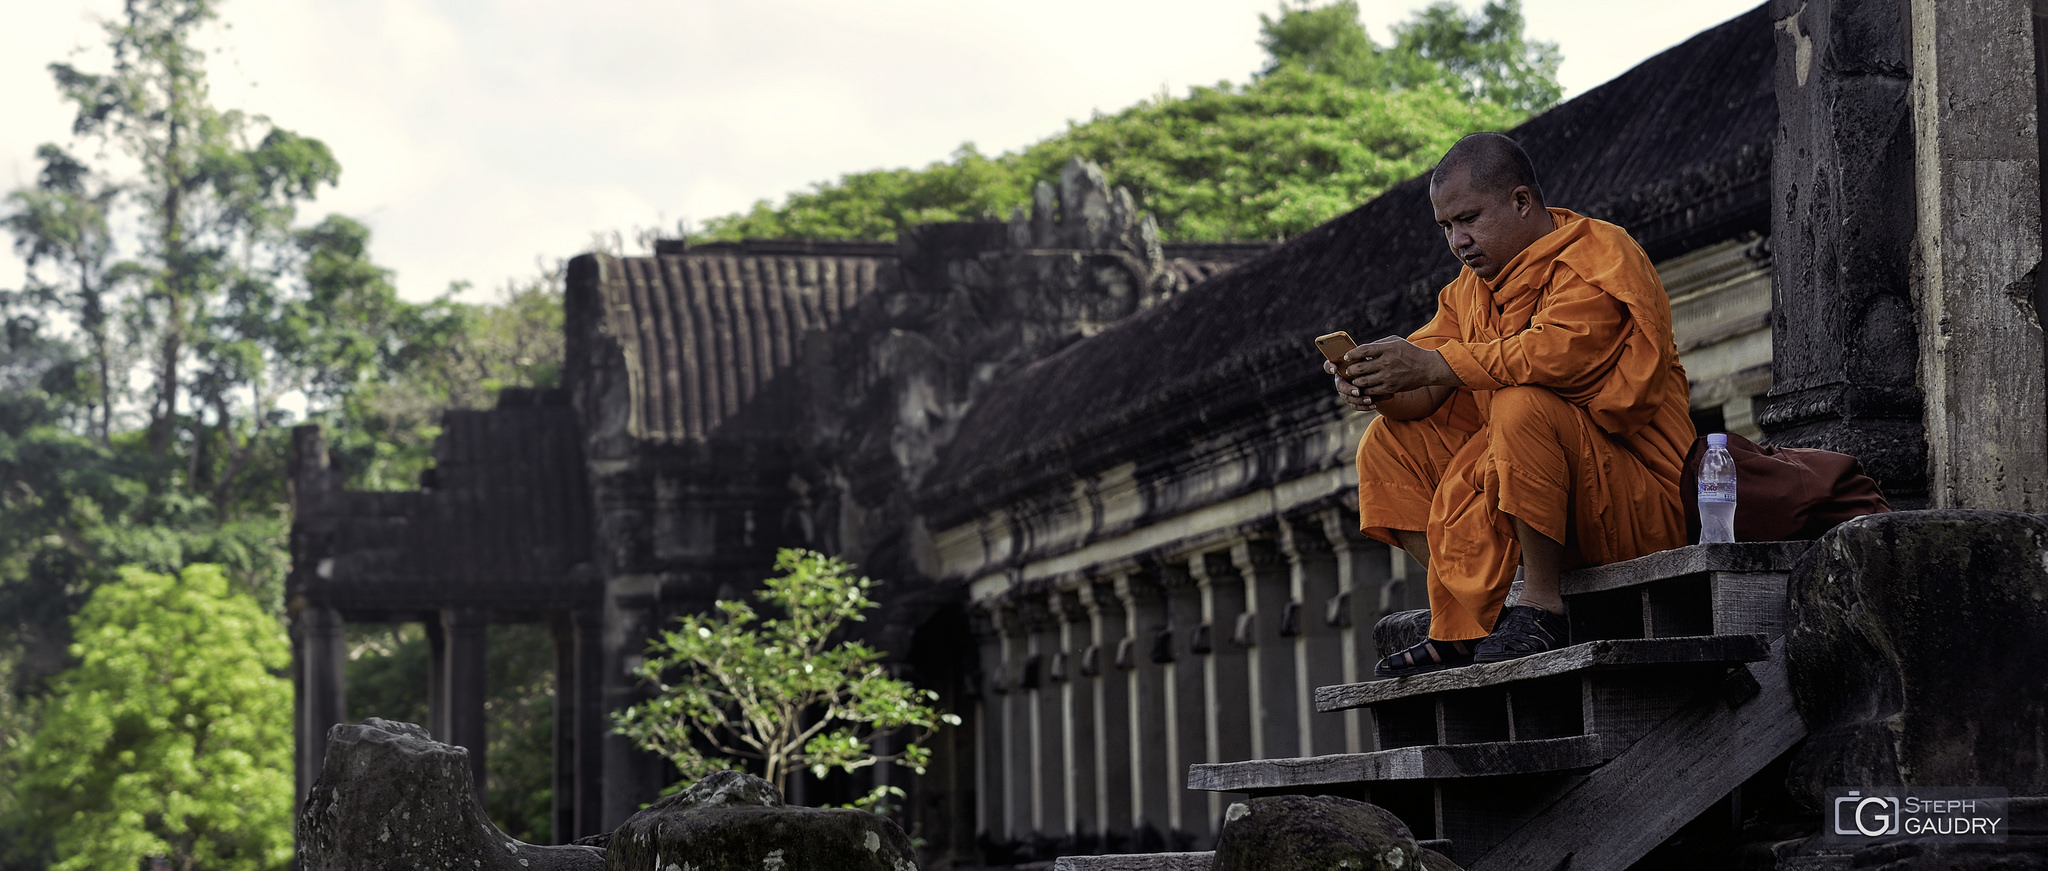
1587,757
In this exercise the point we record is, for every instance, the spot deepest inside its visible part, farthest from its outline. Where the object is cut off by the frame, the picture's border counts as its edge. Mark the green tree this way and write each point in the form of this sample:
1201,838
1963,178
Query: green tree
215,195
60,227
1485,55
784,692
454,355
1331,121
172,735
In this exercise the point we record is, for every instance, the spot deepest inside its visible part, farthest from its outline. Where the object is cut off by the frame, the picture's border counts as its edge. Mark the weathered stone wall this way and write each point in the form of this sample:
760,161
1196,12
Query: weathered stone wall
1843,318
1977,253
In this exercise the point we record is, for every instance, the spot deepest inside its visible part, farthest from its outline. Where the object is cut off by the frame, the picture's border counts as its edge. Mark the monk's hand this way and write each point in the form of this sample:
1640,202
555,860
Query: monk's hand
1395,365
1350,393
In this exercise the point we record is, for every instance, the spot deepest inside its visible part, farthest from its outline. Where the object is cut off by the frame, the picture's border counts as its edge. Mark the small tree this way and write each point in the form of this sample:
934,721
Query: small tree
785,692
172,735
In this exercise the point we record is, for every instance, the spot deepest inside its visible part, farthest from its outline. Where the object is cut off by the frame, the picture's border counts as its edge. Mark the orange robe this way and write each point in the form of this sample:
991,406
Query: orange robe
1572,416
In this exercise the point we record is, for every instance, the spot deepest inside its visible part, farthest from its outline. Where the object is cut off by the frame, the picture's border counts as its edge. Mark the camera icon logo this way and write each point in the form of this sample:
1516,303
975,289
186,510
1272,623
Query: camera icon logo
1871,816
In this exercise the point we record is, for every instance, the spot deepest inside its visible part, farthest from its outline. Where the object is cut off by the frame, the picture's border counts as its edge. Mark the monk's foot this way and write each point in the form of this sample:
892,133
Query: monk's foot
1430,655
1521,631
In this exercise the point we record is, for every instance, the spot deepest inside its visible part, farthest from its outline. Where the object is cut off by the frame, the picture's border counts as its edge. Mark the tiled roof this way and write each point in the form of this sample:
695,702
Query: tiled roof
502,521
709,328
1676,150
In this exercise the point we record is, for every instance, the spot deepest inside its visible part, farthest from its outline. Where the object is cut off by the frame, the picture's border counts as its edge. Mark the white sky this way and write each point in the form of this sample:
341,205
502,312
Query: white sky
476,137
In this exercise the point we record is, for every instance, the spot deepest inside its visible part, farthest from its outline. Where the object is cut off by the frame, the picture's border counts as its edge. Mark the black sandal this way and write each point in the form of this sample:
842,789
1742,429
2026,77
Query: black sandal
1523,630
1430,655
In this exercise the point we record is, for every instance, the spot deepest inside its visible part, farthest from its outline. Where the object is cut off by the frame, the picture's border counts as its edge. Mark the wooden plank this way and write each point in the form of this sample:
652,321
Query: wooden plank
1749,602
1476,815
1436,761
1610,653
1137,862
1740,556
1661,782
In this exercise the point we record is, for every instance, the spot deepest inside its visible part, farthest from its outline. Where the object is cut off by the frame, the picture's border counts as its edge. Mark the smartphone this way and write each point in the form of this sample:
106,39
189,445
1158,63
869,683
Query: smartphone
1335,345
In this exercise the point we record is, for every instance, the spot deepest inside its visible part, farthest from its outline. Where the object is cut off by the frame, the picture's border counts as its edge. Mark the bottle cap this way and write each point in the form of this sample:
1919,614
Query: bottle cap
1717,439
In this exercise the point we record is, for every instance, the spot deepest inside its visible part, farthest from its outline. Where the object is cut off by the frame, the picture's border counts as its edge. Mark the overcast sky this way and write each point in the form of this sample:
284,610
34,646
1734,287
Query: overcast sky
475,137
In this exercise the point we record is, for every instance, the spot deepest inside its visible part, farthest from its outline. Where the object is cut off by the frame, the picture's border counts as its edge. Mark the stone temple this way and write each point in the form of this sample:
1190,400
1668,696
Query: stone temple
1110,495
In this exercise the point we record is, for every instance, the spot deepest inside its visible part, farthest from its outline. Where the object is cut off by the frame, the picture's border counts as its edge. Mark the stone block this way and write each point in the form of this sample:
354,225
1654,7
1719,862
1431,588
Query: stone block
1914,643
737,822
1318,832
390,798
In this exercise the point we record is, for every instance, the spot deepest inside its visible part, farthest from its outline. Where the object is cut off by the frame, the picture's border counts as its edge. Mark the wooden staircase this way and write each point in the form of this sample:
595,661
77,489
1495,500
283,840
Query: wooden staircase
1586,757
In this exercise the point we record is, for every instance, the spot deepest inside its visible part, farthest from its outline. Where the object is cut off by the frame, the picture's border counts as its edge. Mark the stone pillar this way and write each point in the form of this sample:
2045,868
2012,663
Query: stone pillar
1147,651
988,723
1047,717
1842,309
1268,630
1229,705
464,630
1364,568
1111,731
562,797
1022,677
1319,644
322,685
1075,676
437,677
1977,253
592,724
632,777
1187,704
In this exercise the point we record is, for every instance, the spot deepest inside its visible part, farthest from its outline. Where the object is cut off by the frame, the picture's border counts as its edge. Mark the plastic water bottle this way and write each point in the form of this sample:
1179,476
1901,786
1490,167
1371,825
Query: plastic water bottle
1717,491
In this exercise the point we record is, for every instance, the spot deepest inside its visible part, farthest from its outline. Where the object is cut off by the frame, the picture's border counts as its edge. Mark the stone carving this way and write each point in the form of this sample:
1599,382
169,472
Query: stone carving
391,798
1915,645
731,821
1304,832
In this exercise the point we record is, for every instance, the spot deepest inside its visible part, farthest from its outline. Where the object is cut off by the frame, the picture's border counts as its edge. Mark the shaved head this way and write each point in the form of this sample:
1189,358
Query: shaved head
1494,163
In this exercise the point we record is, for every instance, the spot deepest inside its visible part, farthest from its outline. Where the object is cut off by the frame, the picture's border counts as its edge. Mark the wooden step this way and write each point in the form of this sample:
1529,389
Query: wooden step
1604,654
1616,815
1436,761
1678,562
1137,862
1703,589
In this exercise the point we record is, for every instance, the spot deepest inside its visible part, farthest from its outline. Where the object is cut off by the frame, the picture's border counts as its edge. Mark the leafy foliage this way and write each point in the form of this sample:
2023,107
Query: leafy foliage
172,736
1332,120
785,692
190,269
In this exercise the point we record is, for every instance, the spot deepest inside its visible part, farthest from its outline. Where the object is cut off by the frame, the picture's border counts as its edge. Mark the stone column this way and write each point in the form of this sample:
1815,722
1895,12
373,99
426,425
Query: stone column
464,630
1111,731
1977,253
1319,644
1364,567
1842,310
1270,641
984,622
437,677
591,724
1047,717
631,776
1147,651
1187,703
1075,676
562,797
1022,677
323,688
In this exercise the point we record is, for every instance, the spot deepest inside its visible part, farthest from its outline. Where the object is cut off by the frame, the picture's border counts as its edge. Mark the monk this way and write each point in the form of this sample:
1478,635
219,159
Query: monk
1539,420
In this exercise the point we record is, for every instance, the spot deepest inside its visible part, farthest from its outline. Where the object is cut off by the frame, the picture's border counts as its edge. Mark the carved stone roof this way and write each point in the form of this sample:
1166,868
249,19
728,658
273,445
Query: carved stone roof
1677,150
502,522
707,328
